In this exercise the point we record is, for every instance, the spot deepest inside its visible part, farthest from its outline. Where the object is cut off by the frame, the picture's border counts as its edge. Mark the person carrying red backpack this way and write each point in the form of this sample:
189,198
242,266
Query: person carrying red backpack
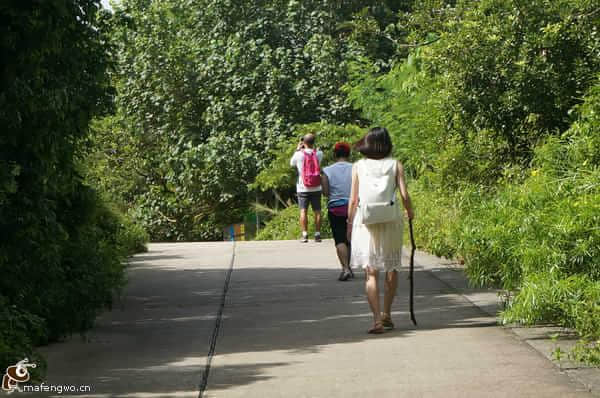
307,160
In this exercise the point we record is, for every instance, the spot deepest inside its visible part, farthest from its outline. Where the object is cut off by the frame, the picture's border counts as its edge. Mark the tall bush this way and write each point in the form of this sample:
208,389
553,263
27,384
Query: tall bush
60,247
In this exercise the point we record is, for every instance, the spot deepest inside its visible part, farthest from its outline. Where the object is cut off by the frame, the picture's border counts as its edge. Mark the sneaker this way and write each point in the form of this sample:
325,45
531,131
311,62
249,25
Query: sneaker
317,238
344,276
304,239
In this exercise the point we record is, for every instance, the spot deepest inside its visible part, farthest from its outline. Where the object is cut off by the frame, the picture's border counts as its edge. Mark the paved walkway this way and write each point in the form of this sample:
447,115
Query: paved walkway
289,329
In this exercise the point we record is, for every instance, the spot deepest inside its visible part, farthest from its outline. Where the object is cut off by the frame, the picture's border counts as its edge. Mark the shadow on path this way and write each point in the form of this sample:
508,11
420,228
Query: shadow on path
281,325
158,340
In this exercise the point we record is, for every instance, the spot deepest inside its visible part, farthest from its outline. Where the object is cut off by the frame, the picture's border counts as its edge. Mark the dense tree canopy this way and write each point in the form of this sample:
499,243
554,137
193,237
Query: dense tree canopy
206,89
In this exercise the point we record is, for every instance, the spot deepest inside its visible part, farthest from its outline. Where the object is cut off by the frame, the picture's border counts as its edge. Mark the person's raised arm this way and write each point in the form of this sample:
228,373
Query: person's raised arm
403,191
353,203
325,184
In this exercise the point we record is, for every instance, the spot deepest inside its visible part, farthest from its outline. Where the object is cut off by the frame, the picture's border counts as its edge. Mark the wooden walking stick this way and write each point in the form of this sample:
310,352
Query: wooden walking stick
411,272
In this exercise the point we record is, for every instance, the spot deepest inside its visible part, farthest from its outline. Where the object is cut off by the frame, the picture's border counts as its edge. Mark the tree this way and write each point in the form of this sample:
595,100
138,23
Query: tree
59,243
207,89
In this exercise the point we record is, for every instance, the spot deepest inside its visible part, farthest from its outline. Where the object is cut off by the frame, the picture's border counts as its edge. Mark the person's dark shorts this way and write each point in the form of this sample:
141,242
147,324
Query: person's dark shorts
314,198
338,228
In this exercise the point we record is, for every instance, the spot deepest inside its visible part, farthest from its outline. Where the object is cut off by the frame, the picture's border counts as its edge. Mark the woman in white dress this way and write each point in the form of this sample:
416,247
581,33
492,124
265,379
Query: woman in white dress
377,247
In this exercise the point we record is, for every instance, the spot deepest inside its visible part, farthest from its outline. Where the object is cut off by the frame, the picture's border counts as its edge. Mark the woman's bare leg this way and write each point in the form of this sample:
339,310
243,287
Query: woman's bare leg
373,293
391,284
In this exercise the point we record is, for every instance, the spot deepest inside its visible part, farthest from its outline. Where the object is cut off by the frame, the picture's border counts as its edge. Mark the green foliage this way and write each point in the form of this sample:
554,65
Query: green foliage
587,351
542,237
544,298
438,218
130,236
487,82
402,101
550,221
280,176
19,333
370,29
572,302
209,90
531,228
516,69
285,225
60,246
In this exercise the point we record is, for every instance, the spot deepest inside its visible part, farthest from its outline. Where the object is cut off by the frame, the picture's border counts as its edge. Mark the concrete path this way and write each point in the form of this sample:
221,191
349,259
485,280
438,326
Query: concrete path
154,342
289,329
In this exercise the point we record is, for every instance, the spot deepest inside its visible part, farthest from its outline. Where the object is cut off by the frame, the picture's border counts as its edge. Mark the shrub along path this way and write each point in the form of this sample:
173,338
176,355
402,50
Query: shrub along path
289,329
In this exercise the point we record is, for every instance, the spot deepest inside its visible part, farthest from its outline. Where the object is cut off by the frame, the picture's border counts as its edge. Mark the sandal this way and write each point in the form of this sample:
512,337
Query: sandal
377,329
386,322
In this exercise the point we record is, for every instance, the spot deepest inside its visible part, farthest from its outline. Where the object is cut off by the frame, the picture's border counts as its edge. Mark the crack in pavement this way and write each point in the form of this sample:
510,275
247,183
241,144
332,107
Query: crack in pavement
215,334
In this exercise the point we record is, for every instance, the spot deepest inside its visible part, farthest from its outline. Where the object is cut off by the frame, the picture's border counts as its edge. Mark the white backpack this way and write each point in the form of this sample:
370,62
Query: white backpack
381,206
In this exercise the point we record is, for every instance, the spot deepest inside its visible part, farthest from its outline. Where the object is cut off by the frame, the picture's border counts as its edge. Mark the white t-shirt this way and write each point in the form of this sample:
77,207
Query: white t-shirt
298,162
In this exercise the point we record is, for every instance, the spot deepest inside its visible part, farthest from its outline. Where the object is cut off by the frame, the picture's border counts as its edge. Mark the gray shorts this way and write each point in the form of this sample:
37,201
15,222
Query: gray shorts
314,198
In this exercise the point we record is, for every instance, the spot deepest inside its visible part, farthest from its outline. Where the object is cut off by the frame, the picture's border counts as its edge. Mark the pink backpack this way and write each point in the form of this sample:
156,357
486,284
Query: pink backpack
311,172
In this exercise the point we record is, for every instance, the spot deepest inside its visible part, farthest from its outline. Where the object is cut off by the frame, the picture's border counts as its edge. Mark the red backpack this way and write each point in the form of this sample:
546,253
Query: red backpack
311,171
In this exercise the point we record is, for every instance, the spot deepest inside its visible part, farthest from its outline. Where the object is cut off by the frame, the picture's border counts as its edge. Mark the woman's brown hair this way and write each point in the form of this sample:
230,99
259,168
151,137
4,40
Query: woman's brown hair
376,144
